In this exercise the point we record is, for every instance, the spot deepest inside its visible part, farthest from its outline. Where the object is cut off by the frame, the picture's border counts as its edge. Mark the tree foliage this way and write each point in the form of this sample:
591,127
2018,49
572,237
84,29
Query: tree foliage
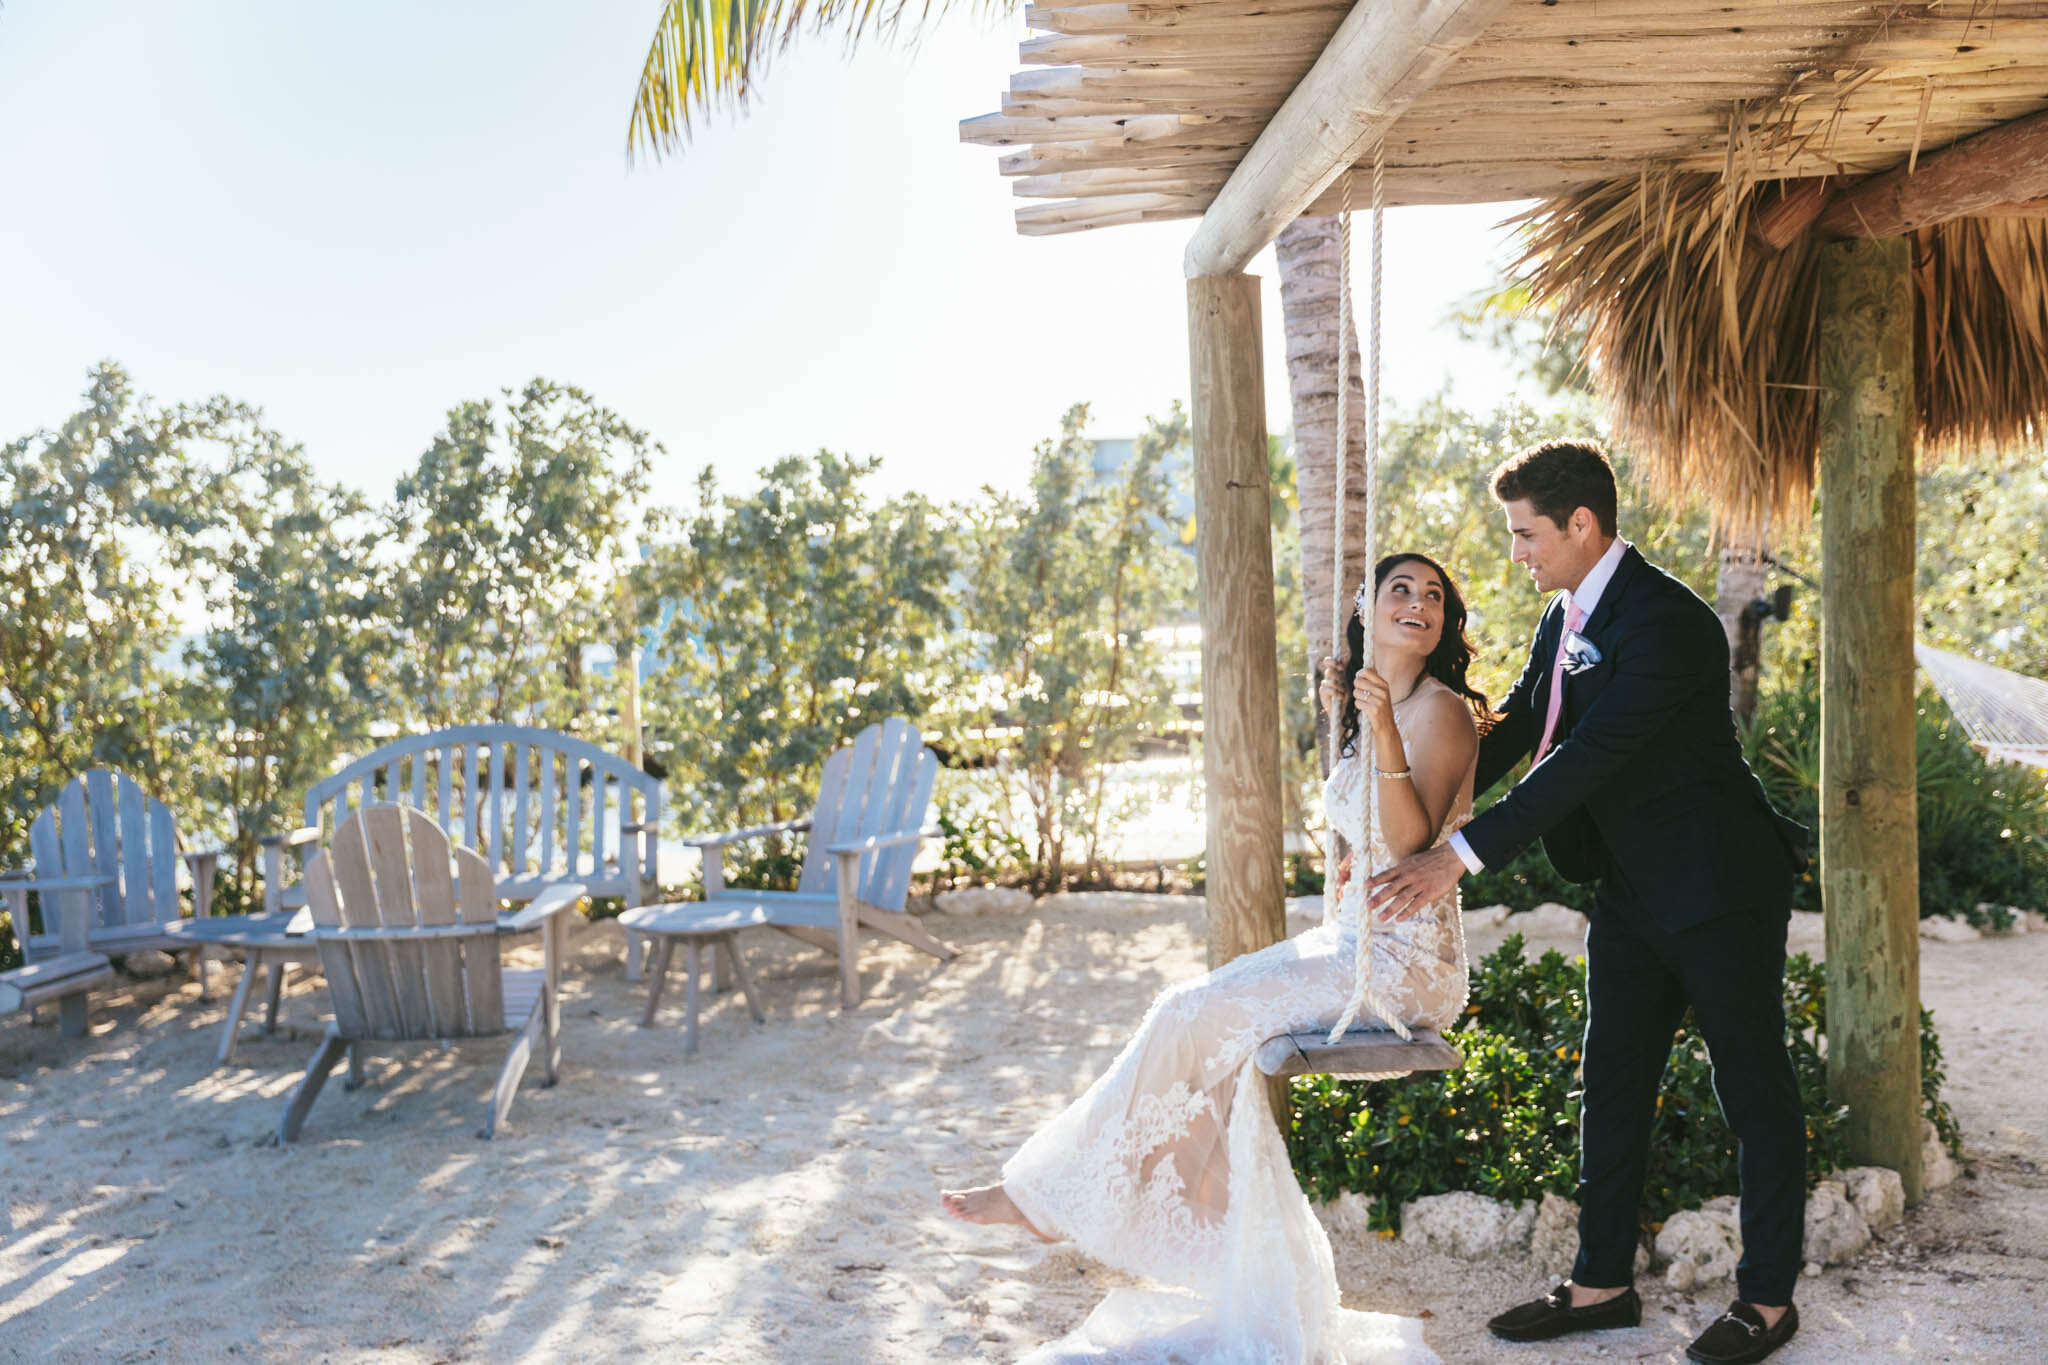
514,527
795,616
104,514
292,671
192,605
1063,585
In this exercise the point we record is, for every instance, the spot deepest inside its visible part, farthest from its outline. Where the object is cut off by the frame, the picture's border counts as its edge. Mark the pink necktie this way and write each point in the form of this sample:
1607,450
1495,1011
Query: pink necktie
1572,621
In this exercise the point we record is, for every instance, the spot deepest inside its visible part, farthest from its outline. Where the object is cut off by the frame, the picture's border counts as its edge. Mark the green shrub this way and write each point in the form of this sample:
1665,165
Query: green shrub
977,846
777,867
1506,1123
1524,882
1983,827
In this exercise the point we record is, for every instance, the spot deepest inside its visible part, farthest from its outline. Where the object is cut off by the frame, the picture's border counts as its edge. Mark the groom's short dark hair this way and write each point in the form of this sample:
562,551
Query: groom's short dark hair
1559,477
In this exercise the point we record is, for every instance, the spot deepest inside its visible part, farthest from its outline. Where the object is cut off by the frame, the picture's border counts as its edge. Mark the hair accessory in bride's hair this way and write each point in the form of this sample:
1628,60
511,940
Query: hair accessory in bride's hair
1362,599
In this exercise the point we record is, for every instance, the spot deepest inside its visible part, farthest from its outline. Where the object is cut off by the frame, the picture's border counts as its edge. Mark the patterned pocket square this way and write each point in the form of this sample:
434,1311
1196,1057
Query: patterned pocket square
1580,653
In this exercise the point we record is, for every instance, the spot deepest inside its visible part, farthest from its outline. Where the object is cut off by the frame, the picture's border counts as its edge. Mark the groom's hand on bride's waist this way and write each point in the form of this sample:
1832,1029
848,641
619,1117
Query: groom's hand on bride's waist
1403,890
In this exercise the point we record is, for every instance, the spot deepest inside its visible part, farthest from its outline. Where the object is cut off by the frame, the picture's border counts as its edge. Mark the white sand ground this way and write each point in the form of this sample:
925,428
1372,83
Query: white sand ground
773,1198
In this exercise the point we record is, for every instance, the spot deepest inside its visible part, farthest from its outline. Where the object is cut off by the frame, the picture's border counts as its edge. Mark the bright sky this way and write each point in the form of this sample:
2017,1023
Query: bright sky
357,216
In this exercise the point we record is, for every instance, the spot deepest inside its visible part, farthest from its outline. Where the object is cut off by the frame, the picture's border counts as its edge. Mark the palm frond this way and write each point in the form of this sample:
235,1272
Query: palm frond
1705,344
707,52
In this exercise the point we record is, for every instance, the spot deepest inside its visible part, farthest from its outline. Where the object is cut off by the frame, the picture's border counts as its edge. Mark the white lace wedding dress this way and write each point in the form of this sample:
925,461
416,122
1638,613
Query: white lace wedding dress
1170,1165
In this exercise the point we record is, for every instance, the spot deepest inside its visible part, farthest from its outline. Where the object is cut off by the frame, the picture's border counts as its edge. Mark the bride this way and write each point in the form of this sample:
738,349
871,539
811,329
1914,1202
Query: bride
1170,1166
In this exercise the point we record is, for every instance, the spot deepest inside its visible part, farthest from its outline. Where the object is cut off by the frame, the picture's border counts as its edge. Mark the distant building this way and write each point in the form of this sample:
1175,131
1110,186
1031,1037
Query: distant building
1112,453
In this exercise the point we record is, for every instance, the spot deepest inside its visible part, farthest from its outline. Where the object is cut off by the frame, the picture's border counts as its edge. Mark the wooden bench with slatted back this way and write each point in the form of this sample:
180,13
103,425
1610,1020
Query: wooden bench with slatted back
542,807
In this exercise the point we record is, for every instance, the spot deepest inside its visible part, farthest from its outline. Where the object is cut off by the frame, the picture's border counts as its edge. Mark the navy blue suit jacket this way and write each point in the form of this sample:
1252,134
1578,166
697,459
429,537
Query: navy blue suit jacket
1645,788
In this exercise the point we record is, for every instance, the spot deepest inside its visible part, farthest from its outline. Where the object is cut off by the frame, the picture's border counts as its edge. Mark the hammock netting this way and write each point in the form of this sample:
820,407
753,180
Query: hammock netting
2004,713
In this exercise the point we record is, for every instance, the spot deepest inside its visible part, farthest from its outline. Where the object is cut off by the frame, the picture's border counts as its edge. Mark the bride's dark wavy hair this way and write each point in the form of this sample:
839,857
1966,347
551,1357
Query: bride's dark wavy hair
1447,663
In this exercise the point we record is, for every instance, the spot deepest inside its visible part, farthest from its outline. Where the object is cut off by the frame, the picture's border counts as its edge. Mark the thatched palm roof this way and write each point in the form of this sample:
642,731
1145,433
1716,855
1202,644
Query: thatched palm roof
1655,131
1136,112
1703,339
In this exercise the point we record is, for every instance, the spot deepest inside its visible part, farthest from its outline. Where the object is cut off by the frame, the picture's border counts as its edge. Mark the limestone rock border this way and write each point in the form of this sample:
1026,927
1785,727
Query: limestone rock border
1694,1249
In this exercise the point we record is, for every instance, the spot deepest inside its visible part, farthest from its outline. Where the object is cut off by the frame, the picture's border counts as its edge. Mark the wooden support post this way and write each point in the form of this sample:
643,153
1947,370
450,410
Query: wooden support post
1869,857
1240,668
629,694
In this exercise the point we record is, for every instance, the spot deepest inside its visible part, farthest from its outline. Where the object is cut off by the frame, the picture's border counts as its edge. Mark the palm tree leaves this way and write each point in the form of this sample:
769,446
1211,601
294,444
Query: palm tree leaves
710,51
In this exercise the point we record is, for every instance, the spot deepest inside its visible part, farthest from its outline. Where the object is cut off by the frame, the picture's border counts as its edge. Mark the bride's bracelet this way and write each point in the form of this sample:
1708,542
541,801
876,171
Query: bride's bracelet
1378,771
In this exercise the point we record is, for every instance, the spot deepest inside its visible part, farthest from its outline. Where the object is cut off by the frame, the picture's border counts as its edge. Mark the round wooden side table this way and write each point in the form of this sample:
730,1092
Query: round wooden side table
695,926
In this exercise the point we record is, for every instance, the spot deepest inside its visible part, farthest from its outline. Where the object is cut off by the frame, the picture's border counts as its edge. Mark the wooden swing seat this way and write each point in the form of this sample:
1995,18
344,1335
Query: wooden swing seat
1360,1050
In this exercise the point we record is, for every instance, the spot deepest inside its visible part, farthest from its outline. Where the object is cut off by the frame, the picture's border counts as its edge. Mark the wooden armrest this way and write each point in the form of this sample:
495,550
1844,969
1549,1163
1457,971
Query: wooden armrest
205,855
57,883
875,841
545,906
305,834
637,826
56,976
733,837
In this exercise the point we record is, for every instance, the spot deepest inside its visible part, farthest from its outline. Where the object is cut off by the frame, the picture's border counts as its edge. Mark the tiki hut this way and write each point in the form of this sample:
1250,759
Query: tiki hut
1806,237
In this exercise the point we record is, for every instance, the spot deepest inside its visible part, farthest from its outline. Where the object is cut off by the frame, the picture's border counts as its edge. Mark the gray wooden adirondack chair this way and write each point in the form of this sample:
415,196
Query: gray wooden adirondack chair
864,833
408,957
108,851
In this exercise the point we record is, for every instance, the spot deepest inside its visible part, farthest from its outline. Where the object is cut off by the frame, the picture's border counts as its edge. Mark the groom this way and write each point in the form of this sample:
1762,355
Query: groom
1639,783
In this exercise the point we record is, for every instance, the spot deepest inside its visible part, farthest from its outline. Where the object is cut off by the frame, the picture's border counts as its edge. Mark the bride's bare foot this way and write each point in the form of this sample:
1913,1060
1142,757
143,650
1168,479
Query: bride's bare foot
989,1205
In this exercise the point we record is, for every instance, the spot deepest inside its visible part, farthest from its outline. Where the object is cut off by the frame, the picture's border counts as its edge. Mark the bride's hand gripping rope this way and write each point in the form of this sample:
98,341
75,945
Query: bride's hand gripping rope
1376,709
1331,689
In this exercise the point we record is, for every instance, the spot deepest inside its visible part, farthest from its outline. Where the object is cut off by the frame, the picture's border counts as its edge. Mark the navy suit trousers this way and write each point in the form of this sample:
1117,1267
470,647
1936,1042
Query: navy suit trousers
1640,979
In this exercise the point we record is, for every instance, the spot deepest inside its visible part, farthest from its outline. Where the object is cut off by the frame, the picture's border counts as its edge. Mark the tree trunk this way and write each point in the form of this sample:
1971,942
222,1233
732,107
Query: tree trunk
1308,259
1869,857
1240,674
1740,583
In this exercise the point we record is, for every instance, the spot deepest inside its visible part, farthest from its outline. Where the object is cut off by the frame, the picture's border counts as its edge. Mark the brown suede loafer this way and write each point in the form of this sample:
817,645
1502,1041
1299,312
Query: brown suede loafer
1553,1316
1739,1336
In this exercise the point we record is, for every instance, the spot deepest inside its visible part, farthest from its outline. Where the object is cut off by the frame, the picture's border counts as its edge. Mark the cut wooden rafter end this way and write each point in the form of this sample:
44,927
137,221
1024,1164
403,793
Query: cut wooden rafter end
1001,130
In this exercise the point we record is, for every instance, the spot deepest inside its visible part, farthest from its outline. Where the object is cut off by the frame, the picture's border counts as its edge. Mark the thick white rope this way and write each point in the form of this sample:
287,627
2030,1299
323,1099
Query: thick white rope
1363,996
1337,619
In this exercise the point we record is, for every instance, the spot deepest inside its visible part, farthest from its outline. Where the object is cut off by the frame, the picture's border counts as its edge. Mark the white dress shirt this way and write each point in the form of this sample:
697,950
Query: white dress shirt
1586,597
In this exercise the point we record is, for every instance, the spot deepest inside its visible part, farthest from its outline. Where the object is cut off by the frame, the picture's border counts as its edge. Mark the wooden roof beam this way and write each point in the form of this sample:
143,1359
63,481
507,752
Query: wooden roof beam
2001,172
1384,54
2000,166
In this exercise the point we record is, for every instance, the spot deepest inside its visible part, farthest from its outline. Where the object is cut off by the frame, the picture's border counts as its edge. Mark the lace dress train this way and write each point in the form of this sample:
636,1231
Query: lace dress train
1170,1166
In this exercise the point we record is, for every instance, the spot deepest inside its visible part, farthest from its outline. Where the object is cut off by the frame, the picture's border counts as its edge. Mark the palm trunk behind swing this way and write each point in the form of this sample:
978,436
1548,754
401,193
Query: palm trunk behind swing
1308,255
